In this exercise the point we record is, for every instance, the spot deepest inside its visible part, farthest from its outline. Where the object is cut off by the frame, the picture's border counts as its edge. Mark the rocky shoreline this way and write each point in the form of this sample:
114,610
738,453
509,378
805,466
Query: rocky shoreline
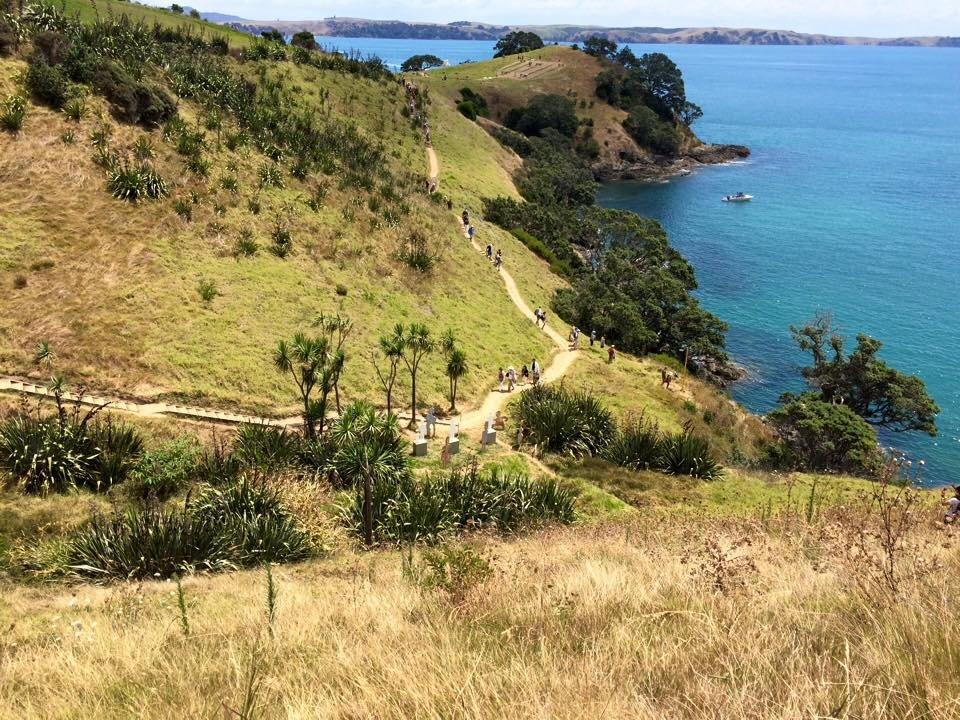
656,168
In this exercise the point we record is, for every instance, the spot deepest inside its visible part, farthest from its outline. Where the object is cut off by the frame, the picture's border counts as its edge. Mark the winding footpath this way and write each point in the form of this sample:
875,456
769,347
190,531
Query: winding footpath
471,420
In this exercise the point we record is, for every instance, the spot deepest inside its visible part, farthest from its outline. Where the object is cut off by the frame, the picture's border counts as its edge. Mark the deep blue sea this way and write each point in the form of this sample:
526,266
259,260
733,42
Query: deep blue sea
856,174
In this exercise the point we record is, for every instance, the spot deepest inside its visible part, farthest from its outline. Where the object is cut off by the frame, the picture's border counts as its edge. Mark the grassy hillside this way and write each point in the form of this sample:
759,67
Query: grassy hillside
114,286
506,83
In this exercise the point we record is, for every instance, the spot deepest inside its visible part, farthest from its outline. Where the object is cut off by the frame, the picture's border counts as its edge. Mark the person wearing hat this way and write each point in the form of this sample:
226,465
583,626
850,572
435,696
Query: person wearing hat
952,504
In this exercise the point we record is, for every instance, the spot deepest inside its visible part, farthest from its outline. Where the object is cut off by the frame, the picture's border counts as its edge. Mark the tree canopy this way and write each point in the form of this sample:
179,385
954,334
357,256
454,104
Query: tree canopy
823,436
517,42
273,35
878,393
416,63
304,39
600,47
543,112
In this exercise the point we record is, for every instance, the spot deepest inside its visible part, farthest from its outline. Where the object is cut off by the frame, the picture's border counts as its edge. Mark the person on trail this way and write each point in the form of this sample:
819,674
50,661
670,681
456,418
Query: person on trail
498,260
471,232
449,204
952,504
593,337
611,354
466,218
603,341
524,375
489,252
511,378
500,378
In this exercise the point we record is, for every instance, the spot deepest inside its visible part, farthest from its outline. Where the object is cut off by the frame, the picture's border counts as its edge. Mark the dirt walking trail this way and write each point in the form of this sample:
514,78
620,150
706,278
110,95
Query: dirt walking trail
495,400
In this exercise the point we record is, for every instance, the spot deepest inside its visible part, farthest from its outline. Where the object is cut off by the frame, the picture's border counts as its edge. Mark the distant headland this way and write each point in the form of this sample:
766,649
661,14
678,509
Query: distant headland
469,30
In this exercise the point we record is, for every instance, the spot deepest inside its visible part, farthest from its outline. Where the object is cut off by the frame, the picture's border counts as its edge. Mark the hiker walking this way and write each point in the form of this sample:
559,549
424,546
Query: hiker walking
593,337
500,378
498,260
511,378
489,252
471,232
524,375
466,218
603,341
611,354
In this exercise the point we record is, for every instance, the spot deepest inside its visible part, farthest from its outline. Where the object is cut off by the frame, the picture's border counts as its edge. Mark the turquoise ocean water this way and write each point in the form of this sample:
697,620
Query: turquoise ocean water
856,174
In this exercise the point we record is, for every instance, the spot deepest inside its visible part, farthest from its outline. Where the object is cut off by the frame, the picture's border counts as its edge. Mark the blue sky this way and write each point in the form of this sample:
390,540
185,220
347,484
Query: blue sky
838,17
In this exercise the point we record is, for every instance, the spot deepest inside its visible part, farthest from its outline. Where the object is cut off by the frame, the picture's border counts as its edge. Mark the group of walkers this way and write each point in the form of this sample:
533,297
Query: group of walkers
574,337
508,378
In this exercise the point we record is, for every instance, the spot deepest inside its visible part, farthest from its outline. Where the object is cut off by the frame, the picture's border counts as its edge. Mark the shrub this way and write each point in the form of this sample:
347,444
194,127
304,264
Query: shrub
150,544
689,454
270,176
255,522
8,38
230,184
265,447
406,509
207,290
120,448
13,111
217,464
75,109
363,441
282,238
455,570
52,47
163,472
46,456
246,245
553,419
143,149
823,436
183,209
415,252
341,290
514,140
47,85
648,130
136,182
133,101
468,109
637,446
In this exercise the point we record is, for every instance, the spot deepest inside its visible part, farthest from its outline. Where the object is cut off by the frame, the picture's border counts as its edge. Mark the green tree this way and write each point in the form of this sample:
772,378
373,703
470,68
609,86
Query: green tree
600,47
273,35
542,112
417,344
648,130
826,436
391,347
878,393
177,9
517,42
369,449
457,366
309,361
195,14
662,84
336,330
304,39
416,63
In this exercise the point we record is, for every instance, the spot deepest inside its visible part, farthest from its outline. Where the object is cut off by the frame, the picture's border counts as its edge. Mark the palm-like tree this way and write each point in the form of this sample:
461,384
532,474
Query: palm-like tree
417,344
310,364
369,450
457,367
391,347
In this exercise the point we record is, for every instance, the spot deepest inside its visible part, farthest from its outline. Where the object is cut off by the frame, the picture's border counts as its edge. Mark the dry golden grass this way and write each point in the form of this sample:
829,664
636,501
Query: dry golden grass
710,619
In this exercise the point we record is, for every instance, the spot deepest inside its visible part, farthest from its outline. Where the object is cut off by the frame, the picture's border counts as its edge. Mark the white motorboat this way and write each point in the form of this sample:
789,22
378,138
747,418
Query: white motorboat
739,197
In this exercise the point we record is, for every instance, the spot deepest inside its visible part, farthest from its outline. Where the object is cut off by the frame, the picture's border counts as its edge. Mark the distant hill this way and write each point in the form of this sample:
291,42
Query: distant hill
468,30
